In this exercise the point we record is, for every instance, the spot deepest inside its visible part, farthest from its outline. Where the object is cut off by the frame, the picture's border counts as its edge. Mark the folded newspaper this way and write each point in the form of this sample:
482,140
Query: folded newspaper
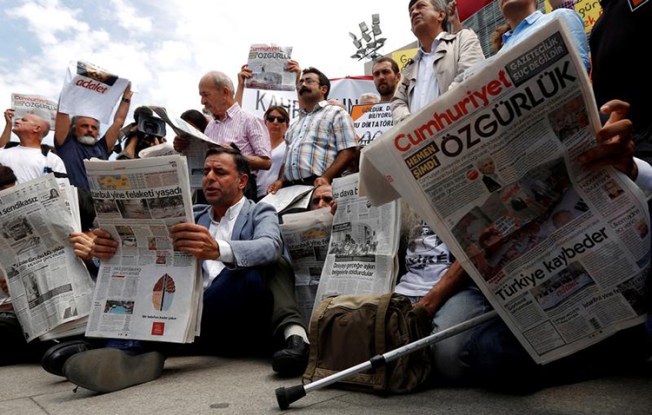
306,236
51,289
560,251
147,291
196,151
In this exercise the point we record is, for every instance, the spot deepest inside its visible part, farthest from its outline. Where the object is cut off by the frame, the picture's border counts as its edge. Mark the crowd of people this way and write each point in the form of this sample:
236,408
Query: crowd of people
249,302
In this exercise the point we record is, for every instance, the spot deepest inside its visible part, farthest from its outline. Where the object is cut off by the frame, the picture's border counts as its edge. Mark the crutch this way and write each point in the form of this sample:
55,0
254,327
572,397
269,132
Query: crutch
285,396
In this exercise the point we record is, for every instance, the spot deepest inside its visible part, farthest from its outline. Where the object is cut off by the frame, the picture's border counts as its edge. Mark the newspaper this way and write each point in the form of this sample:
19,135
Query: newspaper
371,121
364,242
49,285
91,91
196,151
287,198
147,291
306,236
561,252
23,104
269,64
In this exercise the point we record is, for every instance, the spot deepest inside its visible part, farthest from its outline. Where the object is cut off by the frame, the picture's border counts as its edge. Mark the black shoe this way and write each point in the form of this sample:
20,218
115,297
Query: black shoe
108,370
56,356
292,360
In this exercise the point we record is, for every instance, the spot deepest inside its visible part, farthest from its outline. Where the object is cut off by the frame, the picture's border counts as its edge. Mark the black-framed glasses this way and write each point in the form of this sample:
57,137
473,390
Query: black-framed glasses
280,119
307,81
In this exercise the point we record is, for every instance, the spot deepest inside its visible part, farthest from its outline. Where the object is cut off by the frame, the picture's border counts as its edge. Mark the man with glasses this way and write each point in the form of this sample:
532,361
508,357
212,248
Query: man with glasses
322,141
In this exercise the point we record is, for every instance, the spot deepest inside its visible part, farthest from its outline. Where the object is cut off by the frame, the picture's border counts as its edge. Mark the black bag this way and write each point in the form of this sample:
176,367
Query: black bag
349,330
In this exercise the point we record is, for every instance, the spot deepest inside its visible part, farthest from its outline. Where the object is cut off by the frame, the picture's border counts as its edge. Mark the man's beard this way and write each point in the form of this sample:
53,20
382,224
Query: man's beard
87,140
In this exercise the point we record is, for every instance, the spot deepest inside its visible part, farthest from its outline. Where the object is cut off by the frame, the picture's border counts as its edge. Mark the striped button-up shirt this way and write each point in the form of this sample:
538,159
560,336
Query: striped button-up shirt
315,139
242,129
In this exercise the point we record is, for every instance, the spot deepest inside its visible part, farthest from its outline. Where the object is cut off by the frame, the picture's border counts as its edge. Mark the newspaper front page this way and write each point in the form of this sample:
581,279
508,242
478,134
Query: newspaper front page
561,252
23,104
91,90
269,64
363,246
306,236
49,285
147,291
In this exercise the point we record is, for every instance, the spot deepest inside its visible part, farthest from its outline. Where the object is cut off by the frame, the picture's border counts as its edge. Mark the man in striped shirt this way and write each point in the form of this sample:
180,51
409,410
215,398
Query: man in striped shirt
322,141
232,125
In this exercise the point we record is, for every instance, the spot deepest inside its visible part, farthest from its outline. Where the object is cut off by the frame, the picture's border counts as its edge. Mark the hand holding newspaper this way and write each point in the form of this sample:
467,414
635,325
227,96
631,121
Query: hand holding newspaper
269,64
147,290
363,245
560,251
50,287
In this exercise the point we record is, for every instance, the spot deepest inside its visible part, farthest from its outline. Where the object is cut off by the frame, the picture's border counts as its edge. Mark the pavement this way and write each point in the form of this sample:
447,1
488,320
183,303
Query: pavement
217,386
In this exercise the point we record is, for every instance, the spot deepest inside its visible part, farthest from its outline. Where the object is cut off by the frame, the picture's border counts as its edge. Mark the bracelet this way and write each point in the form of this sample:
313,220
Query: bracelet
126,100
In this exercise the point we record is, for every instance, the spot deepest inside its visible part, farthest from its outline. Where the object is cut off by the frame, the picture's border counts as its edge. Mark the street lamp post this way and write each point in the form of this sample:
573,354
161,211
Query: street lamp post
372,43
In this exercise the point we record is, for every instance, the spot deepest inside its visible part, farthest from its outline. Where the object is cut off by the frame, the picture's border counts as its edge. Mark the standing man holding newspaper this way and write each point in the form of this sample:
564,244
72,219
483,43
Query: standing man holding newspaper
322,142
77,140
236,240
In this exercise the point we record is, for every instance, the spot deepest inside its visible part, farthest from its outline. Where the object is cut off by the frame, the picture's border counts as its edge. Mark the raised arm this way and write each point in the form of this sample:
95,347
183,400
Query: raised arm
113,132
6,133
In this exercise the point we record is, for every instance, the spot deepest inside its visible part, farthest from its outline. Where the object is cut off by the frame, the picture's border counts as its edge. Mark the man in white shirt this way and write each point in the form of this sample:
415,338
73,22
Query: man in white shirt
30,159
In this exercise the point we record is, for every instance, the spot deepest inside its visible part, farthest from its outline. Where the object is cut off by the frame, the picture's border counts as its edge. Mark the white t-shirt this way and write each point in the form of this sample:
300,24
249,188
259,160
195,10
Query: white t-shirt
267,177
427,260
29,163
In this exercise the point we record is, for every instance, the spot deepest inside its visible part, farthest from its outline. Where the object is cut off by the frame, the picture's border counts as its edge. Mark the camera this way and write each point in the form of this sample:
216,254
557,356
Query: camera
148,125
145,132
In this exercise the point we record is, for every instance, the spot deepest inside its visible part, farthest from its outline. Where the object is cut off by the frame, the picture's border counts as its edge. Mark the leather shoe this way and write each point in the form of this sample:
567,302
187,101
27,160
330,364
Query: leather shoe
292,360
108,370
56,356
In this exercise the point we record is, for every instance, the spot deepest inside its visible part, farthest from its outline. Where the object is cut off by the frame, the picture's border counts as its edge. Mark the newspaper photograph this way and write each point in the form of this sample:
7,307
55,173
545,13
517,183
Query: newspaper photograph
560,251
363,245
269,64
147,290
371,121
306,236
23,104
196,151
49,285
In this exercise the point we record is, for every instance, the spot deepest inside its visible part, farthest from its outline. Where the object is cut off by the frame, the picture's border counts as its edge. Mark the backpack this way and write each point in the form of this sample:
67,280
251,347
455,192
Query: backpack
350,329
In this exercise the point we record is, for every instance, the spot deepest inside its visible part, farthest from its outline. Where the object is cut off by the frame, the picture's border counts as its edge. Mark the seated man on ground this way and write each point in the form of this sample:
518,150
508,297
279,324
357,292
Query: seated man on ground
236,241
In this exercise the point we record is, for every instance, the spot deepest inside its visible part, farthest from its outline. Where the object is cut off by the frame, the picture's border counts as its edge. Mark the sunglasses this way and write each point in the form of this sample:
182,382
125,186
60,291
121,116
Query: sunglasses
272,118
326,199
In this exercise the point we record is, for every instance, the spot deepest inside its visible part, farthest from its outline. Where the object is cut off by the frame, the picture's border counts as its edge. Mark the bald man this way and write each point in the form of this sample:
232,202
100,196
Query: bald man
29,159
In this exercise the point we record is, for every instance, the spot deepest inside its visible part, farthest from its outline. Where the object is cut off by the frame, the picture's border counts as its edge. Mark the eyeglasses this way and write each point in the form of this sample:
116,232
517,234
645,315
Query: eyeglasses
279,119
326,199
307,81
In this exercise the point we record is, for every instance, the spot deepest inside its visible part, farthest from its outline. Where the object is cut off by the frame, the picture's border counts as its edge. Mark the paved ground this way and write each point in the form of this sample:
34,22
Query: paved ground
217,386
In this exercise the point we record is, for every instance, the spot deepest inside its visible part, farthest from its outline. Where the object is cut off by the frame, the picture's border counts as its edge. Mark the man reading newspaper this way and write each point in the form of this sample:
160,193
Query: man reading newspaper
235,240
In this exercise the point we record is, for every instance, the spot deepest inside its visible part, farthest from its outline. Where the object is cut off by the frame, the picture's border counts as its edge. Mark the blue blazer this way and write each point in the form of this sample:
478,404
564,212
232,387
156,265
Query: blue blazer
256,238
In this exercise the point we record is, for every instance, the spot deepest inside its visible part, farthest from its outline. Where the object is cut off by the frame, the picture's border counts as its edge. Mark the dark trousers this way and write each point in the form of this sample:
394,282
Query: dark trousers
235,318
284,309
